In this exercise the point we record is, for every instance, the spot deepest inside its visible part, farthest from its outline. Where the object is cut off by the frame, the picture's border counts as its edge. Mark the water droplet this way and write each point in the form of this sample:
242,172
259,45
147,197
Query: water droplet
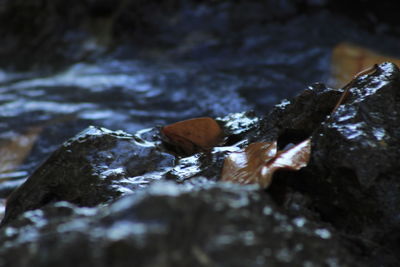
323,233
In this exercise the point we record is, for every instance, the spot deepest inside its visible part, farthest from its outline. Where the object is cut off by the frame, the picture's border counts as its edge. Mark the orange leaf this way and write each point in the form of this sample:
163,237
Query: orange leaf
349,59
193,135
258,162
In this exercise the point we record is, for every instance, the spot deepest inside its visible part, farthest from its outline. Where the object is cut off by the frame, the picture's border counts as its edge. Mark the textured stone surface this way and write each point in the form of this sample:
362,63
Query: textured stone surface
171,225
363,134
355,161
94,167
352,180
341,210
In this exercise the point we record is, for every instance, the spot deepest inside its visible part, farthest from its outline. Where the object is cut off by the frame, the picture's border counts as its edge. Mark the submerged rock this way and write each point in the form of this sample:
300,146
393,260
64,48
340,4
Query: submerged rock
94,167
169,225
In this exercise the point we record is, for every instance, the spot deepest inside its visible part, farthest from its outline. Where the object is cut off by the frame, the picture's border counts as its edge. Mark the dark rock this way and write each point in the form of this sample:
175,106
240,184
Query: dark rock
169,225
238,125
296,119
348,195
363,135
352,179
94,167
354,168
7,187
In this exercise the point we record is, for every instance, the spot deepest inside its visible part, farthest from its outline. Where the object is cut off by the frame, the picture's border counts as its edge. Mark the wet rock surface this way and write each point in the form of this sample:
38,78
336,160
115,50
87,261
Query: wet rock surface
341,210
352,179
94,167
130,65
355,161
169,225
363,134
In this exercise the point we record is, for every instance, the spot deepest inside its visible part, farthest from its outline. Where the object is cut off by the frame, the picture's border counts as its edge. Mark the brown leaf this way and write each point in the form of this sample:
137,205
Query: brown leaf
349,59
15,151
346,88
258,162
193,135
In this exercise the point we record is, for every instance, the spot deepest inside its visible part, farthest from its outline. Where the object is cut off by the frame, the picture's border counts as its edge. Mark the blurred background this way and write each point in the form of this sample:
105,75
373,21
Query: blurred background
65,65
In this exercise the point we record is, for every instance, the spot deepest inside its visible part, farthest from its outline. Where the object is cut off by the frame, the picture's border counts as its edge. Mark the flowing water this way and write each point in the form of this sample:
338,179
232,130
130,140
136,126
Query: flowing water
38,112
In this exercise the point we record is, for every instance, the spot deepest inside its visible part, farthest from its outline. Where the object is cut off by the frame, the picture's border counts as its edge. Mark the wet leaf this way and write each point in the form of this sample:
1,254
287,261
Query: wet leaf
14,151
346,88
349,59
258,162
193,135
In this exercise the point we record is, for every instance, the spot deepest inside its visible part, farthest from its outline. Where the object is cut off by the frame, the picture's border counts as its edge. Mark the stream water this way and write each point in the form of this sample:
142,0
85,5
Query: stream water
253,72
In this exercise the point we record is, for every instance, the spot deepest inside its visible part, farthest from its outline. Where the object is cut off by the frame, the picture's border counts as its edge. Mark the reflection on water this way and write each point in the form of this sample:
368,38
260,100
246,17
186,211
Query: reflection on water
116,95
256,71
